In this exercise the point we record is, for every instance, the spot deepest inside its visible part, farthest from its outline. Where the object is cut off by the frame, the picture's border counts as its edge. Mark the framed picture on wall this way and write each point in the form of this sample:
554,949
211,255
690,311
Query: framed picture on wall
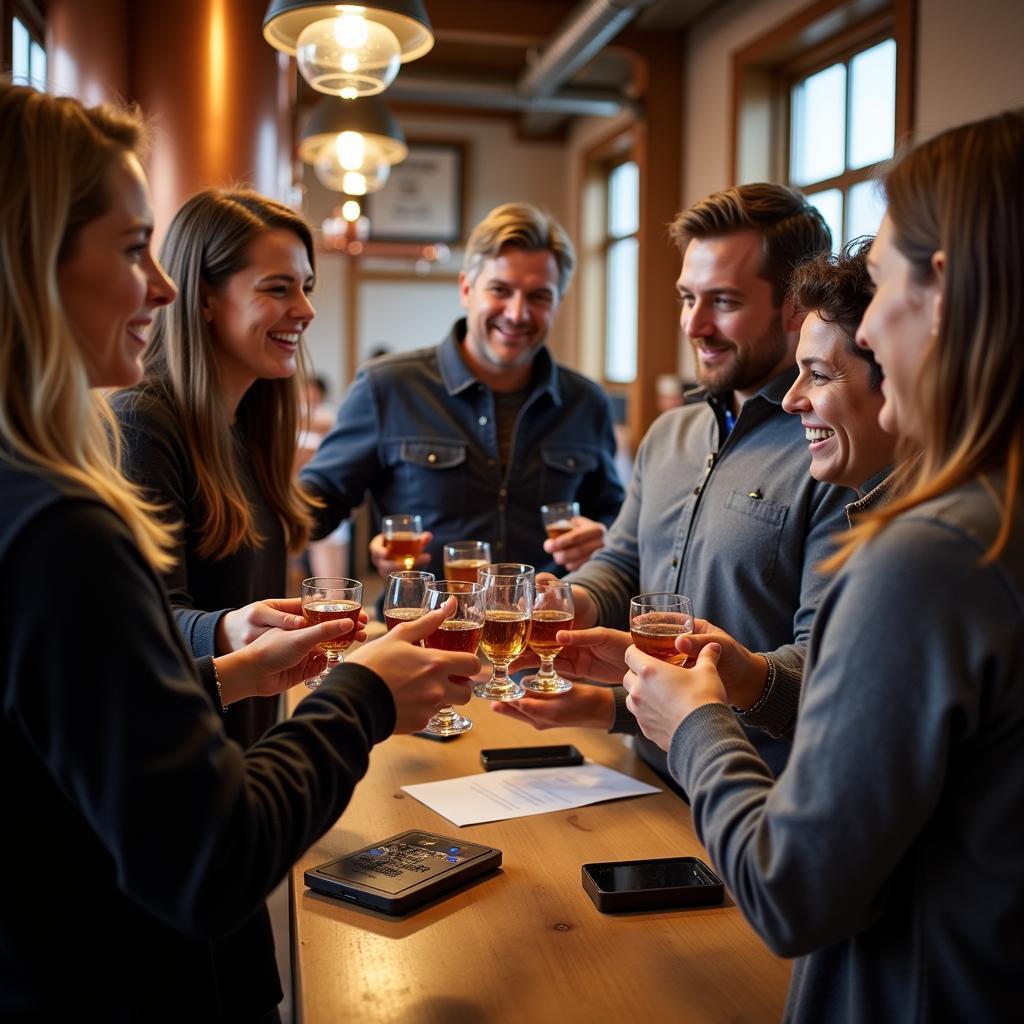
422,200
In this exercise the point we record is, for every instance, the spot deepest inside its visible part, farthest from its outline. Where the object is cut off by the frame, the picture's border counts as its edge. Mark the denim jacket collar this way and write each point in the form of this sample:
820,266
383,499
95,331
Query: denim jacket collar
457,375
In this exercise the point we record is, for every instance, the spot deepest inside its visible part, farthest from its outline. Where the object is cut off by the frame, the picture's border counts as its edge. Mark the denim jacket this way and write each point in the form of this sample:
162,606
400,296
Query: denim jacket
417,431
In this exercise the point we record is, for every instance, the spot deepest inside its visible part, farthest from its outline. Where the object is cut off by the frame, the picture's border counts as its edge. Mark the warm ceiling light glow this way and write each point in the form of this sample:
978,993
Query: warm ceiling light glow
354,183
350,30
351,150
348,55
351,210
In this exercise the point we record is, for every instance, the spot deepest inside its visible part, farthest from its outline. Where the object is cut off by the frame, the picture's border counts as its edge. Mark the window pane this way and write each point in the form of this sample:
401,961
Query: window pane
819,126
873,104
866,206
20,57
830,206
37,66
624,200
620,311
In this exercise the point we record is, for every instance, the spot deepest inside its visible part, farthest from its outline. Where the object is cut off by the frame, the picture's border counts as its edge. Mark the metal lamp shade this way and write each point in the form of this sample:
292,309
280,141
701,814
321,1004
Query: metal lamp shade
367,115
285,19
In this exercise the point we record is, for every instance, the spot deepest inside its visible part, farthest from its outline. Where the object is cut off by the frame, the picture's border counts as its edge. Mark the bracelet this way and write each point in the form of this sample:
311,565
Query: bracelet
220,692
760,702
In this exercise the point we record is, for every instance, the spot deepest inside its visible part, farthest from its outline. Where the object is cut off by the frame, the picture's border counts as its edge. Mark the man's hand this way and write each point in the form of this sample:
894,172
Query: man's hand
743,673
418,677
589,707
586,610
662,695
276,660
596,653
574,548
385,565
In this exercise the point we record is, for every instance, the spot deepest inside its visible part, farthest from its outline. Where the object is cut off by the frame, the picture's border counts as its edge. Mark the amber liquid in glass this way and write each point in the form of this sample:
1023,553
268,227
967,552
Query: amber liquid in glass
464,569
658,640
456,635
557,529
393,616
324,610
505,635
404,545
546,623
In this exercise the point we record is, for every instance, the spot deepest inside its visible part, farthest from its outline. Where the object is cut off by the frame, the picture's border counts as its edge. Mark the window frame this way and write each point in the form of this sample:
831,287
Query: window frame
608,240
32,16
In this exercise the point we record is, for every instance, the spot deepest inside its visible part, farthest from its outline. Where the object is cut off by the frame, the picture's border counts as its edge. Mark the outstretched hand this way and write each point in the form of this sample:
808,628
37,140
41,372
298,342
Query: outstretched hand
743,673
241,626
661,695
595,653
589,707
575,547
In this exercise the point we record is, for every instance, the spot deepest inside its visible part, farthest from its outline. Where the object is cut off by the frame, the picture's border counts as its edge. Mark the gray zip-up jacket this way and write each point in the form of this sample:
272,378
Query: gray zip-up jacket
889,856
736,525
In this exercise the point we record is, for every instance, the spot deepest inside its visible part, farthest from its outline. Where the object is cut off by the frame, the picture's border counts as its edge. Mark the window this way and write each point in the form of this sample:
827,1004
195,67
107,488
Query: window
27,49
622,221
821,100
842,125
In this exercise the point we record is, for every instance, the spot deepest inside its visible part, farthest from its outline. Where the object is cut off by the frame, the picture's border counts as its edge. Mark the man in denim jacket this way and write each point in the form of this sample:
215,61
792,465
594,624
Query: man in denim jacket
477,433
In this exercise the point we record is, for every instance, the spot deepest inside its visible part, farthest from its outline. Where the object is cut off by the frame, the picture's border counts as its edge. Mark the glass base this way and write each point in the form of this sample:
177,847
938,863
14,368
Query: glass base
510,690
313,683
448,722
546,684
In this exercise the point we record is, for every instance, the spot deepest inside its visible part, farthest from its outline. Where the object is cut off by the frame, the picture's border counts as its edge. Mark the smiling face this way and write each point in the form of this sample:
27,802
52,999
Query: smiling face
111,283
897,327
740,338
510,307
258,315
837,406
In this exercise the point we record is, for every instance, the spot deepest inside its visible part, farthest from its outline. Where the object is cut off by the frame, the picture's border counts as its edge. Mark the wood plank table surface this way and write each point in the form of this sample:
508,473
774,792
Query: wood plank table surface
525,944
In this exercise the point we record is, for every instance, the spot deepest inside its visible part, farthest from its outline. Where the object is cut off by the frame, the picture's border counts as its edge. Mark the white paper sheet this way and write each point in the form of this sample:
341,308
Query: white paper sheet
518,792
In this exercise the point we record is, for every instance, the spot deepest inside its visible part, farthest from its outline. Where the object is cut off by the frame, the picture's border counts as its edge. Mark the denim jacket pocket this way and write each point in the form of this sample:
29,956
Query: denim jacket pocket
564,467
758,533
432,454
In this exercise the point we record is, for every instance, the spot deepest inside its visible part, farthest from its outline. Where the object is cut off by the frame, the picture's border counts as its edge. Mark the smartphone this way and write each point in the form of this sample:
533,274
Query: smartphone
553,756
403,871
659,884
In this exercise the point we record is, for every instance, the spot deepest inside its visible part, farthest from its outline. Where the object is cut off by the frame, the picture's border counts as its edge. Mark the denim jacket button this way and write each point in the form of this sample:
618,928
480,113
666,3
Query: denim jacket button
432,457
482,421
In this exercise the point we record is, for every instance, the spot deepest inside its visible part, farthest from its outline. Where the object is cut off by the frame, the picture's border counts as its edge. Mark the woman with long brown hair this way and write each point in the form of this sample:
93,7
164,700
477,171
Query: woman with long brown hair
210,433
146,840
888,856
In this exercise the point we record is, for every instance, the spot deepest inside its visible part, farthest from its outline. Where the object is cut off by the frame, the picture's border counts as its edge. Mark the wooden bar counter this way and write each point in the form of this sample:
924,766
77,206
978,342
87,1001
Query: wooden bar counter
525,944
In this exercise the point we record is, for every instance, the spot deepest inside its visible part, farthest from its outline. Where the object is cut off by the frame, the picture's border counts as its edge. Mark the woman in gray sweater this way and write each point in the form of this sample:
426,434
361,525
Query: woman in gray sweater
888,857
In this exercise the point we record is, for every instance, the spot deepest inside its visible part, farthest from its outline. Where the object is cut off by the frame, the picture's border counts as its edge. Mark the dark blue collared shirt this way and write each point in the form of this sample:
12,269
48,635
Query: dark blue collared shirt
417,431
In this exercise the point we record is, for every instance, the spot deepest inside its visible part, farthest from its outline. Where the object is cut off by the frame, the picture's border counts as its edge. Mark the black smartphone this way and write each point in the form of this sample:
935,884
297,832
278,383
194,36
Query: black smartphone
553,756
403,871
659,884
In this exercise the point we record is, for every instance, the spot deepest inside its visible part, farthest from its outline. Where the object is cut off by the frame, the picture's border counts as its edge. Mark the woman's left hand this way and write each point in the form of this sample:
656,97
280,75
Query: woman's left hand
662,695
242,626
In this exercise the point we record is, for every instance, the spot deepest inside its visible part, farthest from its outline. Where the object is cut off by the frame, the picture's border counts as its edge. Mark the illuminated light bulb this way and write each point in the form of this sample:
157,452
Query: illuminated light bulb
351,150
354,183
351,210
348,56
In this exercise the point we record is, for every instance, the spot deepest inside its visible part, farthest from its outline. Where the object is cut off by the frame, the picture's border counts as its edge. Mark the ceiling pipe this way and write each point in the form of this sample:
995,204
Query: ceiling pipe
588,29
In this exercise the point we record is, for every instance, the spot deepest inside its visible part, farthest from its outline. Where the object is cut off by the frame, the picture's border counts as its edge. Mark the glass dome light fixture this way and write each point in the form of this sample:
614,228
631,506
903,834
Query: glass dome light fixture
370,178
349,50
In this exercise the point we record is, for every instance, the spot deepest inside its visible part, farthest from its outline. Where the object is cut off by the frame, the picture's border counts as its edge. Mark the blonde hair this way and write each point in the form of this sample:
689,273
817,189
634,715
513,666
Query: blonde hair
54,170
207,243
960,192
519,226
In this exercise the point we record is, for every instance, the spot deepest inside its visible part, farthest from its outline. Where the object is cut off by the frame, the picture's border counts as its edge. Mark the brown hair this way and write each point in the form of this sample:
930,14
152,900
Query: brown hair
55,165
519,226
838,289
791,229
960,192
206,244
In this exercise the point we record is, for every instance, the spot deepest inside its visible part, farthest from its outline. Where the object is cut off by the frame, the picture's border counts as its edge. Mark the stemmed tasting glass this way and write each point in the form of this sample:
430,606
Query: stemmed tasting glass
553,609
331,597
404,596
460,632
508,597
464,559
403,538
558,517
655,620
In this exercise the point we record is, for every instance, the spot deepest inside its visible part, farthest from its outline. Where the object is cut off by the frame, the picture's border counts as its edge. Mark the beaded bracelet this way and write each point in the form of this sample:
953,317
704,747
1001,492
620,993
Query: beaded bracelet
220,692
760,702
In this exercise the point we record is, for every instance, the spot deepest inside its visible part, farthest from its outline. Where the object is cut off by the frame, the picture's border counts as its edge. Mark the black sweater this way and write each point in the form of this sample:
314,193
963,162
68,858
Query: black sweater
157,457
141,841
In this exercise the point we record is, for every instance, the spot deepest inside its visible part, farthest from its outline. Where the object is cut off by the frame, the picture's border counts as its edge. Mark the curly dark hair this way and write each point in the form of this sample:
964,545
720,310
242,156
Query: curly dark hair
839,289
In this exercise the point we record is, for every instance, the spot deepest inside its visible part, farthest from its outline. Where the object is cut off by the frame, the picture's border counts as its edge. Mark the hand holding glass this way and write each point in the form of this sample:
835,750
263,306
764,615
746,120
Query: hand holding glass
404,596
558,517
508,597
403,538
460,632
331,597
655,620
465,558
553,609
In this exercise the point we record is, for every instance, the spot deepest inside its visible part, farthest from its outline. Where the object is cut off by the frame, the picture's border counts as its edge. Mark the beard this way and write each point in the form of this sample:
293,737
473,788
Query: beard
752,365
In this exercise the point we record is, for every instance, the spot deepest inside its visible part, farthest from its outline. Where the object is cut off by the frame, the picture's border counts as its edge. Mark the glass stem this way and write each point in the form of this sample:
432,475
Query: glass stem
547,667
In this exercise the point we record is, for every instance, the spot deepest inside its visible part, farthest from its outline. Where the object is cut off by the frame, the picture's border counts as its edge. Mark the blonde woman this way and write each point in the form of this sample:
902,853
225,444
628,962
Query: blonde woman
210,433
888,857
146,839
